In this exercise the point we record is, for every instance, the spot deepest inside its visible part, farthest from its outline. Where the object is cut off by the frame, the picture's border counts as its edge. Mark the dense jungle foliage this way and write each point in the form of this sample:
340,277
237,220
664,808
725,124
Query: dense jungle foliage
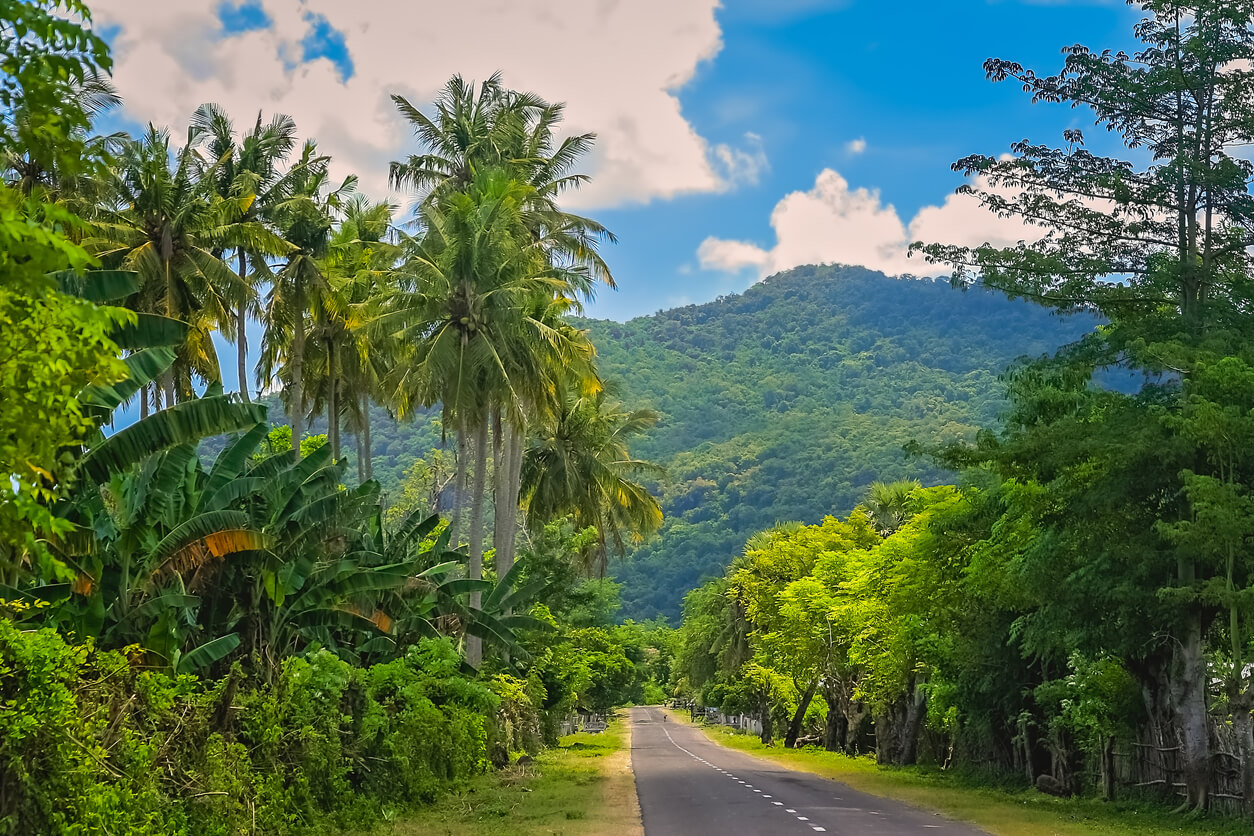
1077,608
207,624
788,401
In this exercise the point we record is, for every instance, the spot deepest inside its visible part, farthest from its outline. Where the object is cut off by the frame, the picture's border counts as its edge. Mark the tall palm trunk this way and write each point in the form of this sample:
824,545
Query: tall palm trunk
297,402
461,457
143,402
241,335
333,400
366,455
474,647
500,494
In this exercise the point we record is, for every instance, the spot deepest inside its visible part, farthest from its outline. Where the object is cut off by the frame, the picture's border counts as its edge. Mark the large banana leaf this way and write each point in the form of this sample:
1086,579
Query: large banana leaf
161,488
234,491
230,462
273,465
143,367
208,653
416,526
169,600
185,423
464,586
204,537
503,587
149,331
98,285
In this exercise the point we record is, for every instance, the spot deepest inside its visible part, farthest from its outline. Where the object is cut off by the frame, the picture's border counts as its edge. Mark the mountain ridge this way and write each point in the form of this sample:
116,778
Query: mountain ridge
787,401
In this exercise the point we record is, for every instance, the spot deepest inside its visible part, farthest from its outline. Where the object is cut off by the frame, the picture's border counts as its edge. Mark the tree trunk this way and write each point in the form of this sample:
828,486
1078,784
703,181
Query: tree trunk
1189,702
241,334
1108,769
799,716
361,471
764,717
367,455
916,712
474,648
836,730
459,485
297,402
333,400
1243,726
500,495
519,433
143,402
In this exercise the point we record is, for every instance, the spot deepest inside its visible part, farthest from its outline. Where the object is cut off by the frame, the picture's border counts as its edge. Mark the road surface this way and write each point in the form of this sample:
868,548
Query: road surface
689,786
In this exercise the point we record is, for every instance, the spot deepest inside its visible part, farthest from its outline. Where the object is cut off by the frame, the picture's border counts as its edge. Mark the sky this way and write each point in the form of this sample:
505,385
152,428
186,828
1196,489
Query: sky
735,139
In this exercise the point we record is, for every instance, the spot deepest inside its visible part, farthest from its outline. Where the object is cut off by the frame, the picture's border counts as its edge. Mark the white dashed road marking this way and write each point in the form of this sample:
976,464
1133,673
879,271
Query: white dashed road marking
700,759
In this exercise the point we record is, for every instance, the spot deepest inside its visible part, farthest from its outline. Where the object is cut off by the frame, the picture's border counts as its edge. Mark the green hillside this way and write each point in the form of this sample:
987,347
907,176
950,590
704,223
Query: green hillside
787,401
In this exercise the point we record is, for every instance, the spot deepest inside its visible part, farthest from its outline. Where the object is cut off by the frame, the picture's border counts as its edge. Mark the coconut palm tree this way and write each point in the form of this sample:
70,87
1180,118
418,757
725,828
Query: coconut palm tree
165,220
464,304
494,127
249,164
305,220
579,466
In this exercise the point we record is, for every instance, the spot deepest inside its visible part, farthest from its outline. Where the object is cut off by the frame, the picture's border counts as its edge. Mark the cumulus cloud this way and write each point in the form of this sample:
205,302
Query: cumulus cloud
618,66
834,223
856,146
741,165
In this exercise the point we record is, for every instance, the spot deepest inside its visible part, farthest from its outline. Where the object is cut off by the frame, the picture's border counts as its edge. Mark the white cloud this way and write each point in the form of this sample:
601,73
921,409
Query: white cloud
833,223
618,65
741,165
856,146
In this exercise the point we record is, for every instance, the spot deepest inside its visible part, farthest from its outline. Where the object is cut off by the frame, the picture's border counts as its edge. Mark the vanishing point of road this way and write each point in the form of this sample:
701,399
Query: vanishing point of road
690,786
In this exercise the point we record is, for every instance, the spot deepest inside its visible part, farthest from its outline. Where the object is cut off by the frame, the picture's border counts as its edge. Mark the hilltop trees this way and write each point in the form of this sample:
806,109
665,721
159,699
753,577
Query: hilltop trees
1160,251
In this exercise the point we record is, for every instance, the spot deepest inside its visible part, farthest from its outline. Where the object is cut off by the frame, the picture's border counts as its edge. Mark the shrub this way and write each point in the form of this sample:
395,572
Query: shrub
91,743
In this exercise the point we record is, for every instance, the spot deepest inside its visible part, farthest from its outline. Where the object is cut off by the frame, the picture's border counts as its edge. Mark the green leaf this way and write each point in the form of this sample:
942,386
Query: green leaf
98,286
150,331
232,461
185,423
208,653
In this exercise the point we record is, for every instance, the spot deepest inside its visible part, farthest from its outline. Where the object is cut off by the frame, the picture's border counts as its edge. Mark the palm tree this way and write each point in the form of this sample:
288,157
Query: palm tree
250,165
580,466
463,304
304,220
888,505
165,221
494,127
32,163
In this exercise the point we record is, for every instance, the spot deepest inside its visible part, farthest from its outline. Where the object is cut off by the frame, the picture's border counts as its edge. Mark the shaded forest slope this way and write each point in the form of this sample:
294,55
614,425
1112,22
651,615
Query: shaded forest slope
787,401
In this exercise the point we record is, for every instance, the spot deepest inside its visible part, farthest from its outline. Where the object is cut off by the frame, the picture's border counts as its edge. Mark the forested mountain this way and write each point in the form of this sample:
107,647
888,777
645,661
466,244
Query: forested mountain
786,402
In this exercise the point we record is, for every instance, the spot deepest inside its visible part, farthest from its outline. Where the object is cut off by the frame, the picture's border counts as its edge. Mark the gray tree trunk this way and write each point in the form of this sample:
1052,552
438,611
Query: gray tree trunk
367,453
459,485
474,647
241,334
333,400
297,402
1189,701
799,716
1243,726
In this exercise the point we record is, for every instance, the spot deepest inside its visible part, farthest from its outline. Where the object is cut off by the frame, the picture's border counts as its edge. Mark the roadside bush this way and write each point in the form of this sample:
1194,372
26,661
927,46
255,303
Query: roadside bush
91,743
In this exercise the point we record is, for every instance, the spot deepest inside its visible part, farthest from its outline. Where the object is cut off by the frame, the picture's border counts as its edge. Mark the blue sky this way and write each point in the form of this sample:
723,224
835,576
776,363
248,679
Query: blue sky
839,119
910,83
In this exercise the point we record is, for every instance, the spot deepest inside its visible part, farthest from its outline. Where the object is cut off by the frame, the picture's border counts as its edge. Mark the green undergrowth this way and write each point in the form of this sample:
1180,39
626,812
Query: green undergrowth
1001,810
582,786
92,742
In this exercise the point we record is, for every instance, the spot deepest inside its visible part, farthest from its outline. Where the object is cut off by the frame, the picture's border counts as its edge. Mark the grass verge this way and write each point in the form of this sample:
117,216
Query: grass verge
583,786
1000,811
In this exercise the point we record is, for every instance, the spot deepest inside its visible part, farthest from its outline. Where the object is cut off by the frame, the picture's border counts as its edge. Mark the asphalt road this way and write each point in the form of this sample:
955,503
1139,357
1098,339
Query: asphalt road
689,786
